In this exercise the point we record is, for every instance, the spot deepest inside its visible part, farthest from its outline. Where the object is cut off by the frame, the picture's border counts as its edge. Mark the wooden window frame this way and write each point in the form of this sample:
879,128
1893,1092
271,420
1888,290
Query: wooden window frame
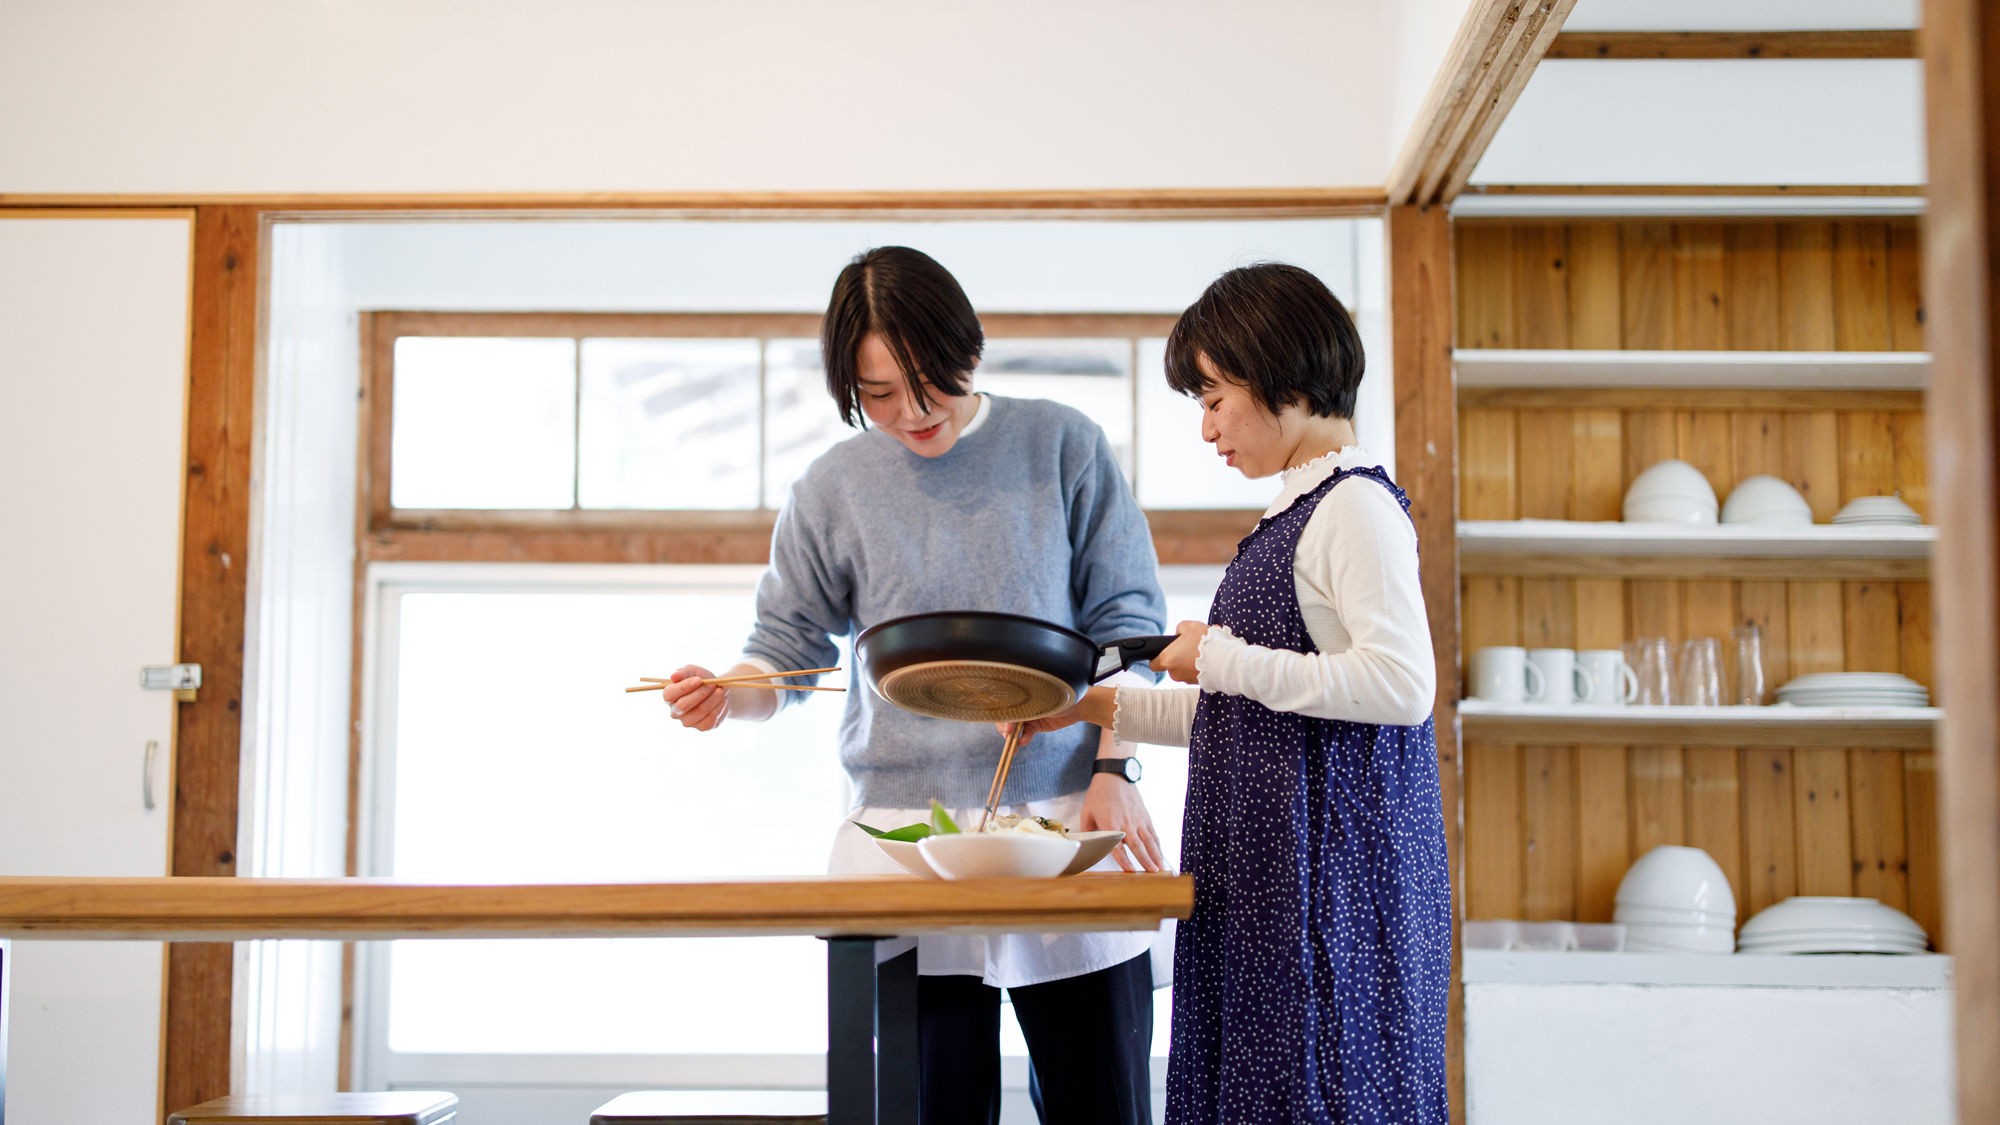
387,533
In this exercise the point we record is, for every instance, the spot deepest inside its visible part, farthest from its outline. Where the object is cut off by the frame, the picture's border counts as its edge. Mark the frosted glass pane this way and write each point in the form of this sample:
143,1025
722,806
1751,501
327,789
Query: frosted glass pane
483,423
669,424
518,759
800,418
1094,376
1177,469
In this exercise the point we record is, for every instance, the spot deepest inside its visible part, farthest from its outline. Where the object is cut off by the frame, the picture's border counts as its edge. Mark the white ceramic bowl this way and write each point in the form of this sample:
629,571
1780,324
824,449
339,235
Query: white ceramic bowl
998,855
1091,848
1678,878
1666,489
1812,917
1877,510
1672,916
1768,501
1662,939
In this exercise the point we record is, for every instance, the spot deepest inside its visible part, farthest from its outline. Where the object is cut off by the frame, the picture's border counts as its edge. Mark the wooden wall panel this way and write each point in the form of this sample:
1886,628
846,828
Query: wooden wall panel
1780,821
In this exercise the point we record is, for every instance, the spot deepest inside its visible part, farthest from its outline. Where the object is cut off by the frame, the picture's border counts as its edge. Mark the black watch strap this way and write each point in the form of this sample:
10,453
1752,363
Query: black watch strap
1127,768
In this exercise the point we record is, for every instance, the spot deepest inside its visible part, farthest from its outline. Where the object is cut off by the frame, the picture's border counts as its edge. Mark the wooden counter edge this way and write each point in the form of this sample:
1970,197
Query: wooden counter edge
215,909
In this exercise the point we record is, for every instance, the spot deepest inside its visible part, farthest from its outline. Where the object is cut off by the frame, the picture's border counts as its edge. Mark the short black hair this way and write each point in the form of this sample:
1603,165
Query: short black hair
1276,329
920,312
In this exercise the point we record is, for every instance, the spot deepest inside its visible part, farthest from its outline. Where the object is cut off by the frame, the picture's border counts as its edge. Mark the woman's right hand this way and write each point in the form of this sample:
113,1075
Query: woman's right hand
694,702
1098,706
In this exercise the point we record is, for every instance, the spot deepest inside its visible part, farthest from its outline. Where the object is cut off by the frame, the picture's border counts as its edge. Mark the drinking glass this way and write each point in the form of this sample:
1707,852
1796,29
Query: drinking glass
1699,683
1749,664
1654,664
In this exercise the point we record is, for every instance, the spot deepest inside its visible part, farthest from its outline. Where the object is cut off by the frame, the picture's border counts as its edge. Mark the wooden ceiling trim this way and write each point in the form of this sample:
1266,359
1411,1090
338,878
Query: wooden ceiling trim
1801,190
1874,43
1488,65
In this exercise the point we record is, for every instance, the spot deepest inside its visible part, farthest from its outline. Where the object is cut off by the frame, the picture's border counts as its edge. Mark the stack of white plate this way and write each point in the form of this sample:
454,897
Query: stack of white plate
1877,511
1854,689
1832,925
1676,900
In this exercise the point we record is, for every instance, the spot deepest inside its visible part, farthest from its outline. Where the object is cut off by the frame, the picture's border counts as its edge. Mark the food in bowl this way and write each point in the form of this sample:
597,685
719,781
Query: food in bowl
1032,825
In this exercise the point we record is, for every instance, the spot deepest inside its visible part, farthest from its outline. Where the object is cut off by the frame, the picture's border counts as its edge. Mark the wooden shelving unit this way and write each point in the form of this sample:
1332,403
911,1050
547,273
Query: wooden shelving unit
1579,367
1657,550
1907,728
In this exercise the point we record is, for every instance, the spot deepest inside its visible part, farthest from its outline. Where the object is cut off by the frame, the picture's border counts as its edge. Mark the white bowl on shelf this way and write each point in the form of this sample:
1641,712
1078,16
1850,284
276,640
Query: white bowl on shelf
1766,501
1670,491
1828,921
1640,938
1877,511
1678,878
998,855
1672,916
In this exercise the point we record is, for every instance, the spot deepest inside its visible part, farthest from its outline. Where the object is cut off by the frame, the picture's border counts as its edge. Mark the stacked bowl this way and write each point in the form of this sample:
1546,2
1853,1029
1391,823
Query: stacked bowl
1877,511
1670,491
1854,689
1833,925
1677,900
1767,501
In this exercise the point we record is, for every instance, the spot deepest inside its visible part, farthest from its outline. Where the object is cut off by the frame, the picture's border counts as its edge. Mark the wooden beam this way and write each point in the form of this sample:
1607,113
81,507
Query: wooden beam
1795,568
1484,72
1420,318
1962,331
215,564
1780,400
1881,43
1812,190
386,909
1300,202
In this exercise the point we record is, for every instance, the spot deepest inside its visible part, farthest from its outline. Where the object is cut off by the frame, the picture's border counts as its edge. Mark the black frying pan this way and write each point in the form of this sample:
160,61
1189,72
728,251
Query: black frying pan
988,667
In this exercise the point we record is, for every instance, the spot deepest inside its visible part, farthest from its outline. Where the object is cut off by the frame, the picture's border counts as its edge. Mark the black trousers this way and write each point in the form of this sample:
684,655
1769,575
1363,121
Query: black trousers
1090,1045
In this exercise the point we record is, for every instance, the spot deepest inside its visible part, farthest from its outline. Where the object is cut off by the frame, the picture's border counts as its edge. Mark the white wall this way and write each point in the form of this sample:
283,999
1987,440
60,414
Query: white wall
686,95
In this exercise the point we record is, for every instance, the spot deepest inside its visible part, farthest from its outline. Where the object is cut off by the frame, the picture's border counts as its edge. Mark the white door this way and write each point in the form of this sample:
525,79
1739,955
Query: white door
93,387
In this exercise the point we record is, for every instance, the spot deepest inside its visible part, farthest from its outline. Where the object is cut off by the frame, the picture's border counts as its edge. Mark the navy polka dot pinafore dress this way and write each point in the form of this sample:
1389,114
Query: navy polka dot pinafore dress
1310,982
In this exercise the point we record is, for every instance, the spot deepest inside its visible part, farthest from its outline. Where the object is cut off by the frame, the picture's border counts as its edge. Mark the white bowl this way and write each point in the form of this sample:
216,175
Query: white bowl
1814,916
1091,847
1669,486
1678,878
1670,510
1877,510
1672,916
1654,939
1768,501
998,855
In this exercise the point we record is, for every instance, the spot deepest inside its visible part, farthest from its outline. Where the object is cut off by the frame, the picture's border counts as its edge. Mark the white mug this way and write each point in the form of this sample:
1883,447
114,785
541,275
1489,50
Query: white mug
1563,680
1613,682
1502,674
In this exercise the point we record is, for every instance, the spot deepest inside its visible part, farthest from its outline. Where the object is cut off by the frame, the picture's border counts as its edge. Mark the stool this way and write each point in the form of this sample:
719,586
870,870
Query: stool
714,1107
393,1107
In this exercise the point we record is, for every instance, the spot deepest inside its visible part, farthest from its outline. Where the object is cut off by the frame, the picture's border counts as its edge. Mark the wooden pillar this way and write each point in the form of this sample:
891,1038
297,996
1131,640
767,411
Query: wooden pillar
215,547
1962,79
1420,325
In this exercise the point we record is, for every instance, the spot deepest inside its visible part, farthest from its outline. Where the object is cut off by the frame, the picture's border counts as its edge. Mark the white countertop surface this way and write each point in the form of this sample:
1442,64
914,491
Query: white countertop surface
1745,970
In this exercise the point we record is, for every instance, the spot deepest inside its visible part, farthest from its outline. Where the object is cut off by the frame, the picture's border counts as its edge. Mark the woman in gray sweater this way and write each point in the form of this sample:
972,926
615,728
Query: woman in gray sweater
952,500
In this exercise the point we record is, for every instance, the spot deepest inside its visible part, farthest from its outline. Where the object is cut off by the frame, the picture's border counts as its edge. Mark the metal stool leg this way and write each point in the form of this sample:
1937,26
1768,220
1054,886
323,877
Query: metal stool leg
897,1078
850,1031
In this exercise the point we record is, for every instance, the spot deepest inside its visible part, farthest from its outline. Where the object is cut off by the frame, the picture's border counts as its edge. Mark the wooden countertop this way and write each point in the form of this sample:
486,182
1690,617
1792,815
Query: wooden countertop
232,909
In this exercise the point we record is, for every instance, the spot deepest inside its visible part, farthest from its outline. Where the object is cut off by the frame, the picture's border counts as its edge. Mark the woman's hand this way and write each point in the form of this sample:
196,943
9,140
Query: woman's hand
1114,804
696,704
1098,706
1178,659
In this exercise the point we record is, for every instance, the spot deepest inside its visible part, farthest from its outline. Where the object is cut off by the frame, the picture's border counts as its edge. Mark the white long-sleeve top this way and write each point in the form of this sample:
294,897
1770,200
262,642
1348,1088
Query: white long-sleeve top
1363,604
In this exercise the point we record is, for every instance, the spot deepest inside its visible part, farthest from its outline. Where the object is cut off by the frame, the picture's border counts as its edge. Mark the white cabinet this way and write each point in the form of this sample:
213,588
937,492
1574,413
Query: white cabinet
93,379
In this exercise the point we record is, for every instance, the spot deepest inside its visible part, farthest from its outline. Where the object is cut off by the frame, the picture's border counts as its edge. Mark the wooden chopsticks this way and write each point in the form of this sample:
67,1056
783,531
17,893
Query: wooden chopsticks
655,683
1000,775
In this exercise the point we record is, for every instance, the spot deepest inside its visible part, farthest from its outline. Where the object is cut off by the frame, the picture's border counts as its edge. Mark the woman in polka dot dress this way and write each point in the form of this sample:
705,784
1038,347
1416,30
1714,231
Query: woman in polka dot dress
1310,983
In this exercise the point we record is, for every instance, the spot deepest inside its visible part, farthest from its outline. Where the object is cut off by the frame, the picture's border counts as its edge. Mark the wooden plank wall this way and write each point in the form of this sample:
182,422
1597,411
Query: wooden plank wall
1550,829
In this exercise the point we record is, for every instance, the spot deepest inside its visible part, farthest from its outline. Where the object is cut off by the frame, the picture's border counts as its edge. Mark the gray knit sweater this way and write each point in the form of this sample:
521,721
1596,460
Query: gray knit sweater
1027,514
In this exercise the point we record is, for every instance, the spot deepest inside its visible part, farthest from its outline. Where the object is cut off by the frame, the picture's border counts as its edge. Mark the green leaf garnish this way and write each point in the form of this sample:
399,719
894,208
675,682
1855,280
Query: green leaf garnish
865,828
941,820
908,834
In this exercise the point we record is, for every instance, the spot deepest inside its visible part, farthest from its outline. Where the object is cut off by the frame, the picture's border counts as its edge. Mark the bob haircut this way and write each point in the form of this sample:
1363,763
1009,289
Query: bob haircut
919,311
1275,329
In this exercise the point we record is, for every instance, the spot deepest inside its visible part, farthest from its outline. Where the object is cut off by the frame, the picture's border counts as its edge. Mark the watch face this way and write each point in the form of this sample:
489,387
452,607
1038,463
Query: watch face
1132,770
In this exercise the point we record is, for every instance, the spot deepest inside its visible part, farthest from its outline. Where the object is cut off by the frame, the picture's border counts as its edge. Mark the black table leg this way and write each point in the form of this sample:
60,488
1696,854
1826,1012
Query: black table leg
897,1079
871,1035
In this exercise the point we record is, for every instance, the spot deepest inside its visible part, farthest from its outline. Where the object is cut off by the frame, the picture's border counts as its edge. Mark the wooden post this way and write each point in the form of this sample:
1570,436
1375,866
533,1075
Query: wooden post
1420,315
1962,79
215,546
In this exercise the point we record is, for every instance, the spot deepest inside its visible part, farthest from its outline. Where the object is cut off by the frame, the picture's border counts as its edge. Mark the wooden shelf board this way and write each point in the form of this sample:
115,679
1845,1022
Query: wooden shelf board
1887,727
234,909
1534,367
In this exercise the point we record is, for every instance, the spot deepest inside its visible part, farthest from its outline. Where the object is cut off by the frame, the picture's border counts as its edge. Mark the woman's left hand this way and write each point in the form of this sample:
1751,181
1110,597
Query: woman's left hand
1178,660
1113,804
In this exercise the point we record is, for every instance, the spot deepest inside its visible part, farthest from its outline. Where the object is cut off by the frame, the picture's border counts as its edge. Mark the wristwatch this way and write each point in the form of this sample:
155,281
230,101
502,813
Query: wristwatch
1127,768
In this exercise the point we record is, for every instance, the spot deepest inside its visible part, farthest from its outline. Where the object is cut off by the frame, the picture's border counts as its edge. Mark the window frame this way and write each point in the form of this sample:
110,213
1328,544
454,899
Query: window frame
390,534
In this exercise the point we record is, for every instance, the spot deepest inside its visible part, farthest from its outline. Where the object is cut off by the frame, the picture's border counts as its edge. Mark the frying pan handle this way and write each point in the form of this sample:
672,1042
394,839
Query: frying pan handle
1123,654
